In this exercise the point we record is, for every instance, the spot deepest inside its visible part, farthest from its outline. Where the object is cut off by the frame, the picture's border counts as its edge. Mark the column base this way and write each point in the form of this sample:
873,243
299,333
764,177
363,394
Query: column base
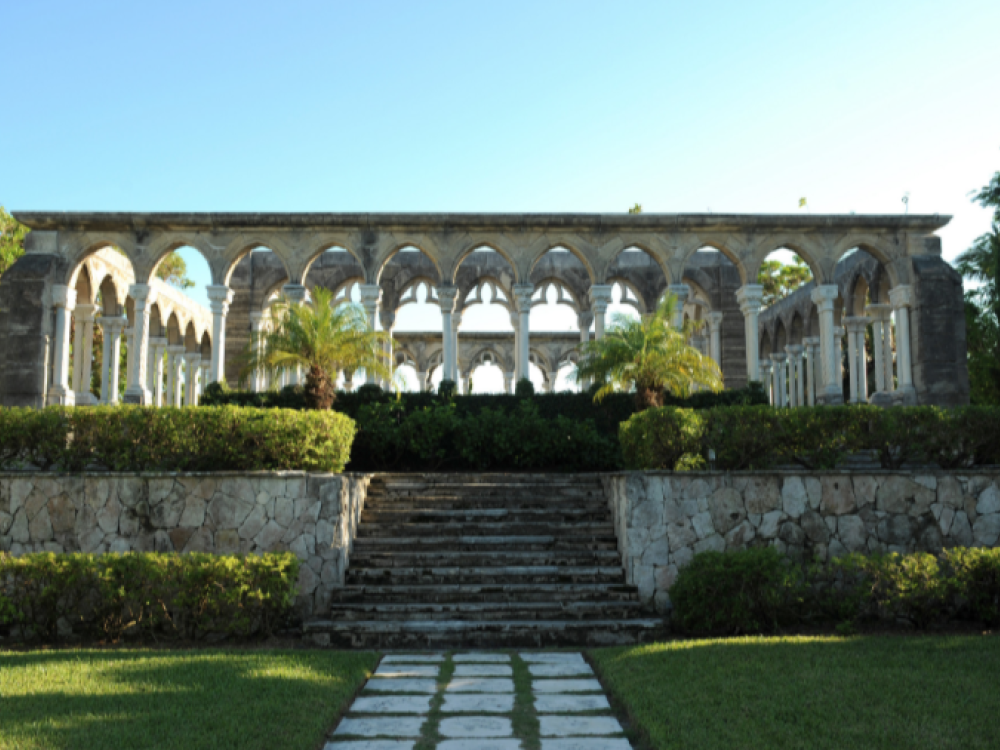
86,398
881,398
830,398
139,396
906,396
60,396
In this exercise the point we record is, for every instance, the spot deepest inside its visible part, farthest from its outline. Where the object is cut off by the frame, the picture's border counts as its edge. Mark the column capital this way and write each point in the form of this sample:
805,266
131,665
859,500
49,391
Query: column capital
294,293
144,293
681,291
823,296
255,321
765,365
522,296
600,297
63,296
750,297
456,321
176,349
794,350
447,295
879,312
219,297
778,358
159,341
901,296
714,319
85,312
584,319
856,324
113,323
192,358
388,318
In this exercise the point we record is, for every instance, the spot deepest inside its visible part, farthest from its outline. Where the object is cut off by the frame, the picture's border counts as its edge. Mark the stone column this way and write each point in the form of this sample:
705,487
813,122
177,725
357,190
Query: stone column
447,295
715,336
584,319
143,297
421,380
456,321
515,323
157,346
749,296
257,342
901,299
83,354
508,383
371,295
778,368
838,353
295,294
522,299
193,362
550,381
203,377
857,359
796,389
823,297
600,298
113,328
388,318
765,379
812,371
219,297
60,392
175,361
879,315
682,292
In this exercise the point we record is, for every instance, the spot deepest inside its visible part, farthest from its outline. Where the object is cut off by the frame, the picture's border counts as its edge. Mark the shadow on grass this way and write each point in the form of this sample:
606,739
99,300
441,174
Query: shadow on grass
191,700
871,692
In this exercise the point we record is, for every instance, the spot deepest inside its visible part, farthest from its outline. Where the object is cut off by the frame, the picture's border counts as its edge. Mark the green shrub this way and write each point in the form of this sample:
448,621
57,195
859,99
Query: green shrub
661,438
976,578
447,389
749,591
142,595
127,438
524,388
909,587
741,438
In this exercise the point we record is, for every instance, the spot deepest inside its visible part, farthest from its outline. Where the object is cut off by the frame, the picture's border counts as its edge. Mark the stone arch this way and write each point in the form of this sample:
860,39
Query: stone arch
174,336
488,353
326,244
780,337
112,297
887,253
85,291
720,246
811,254
246,244
636,301
481,283
84,246
163,245
645,281
570,247
765,345
191,342
796,329
470,247
401,246
408,295
564,294
206,347
813,327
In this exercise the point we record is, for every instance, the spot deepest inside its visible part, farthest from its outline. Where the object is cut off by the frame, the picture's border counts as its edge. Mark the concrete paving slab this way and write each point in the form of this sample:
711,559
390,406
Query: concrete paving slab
559,670
587,743
395,671
578,726
481,657
405,685
483,670
479,685
558,657
478,704
476,726
479,744
371,745
391,704
566,686
412,658
564,704
381,726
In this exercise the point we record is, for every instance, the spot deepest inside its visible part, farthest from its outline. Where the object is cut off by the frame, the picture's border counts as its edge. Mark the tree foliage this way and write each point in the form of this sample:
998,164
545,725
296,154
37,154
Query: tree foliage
781,279
322,339
650,356
173,270
12,234
981,263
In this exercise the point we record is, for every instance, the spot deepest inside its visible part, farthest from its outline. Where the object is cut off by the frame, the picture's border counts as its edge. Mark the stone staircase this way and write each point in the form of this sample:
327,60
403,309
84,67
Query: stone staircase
485,561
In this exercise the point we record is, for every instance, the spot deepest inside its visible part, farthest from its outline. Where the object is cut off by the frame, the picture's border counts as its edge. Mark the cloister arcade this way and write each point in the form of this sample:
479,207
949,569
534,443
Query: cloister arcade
872,267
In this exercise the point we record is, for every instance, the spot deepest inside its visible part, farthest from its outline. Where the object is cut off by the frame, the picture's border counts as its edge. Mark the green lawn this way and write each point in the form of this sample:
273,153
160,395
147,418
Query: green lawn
190,700
839,693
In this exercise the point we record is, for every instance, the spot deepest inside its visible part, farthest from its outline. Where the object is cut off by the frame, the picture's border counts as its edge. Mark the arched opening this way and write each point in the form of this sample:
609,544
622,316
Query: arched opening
641,275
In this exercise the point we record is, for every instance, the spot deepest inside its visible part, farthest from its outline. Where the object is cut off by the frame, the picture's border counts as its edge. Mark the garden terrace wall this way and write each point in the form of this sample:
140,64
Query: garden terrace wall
313,515
662,519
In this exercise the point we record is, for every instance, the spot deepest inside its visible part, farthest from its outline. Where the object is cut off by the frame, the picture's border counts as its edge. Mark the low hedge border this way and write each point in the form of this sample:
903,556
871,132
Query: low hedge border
46,596
740,438
760,590
132,438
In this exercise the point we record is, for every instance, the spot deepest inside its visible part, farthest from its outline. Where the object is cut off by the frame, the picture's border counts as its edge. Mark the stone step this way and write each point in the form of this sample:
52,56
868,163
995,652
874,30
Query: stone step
424,634
600,531
489,478
384,515
511,592
475,557
488,611
556,492
500,574
546,543
458,502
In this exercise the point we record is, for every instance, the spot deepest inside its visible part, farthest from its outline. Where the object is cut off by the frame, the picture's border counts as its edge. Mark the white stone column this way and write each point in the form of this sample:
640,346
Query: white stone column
371,295
421,380
880,329
550,381
508,383
203,377
522,299
796,389
388,318
765,379
105,356
584,320
219,298
600,298
113,329
157,346
456,321
136,392
831,392
812,371
61,392
778,370
838,353
193,362
682,292
856,358
901,299
714,319
175,385
83,353
257,342
750,296
447,294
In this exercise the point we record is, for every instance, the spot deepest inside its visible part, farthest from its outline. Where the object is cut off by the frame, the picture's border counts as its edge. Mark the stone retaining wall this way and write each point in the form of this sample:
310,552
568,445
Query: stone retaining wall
663,519
313,515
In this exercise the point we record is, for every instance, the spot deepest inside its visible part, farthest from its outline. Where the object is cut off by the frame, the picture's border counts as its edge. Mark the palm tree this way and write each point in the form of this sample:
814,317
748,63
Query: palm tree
323,339
650,356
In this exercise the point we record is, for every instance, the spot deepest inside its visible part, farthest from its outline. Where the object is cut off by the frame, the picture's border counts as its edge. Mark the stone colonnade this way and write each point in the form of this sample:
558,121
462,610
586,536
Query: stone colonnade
59,243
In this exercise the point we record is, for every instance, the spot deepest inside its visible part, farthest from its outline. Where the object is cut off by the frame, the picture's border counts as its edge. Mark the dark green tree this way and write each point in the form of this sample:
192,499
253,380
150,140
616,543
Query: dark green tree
11,239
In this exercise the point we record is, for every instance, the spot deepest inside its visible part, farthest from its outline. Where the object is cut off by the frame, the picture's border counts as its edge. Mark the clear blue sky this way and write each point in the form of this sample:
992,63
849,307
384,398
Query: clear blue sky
502,106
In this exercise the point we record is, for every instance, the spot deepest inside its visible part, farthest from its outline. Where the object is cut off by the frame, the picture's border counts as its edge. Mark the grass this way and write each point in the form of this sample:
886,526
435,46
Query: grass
802,692
195,700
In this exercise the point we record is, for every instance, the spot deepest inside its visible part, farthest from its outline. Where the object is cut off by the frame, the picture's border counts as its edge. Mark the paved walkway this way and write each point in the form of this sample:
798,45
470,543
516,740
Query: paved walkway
481,701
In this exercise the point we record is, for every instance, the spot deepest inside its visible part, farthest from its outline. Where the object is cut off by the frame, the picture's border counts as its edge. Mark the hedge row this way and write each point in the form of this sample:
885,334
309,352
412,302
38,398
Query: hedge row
761,591
46,596
442,437
126,438
753,437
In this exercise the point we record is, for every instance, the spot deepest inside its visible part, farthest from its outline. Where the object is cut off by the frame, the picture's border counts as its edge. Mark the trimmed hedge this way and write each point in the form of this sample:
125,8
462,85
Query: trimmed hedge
47,596
754,437
762,591
132,438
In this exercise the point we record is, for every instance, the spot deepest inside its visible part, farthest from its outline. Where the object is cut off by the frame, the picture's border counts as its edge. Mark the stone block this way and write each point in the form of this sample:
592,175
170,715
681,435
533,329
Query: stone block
229,512
949,492
961,529
194,511
726,507
714,543
838,496
227,542
760,494
853,533
986,530
702,523
40,527
740,536
793,498
681,535
865,490
989,500
815,528
62,514
768,528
